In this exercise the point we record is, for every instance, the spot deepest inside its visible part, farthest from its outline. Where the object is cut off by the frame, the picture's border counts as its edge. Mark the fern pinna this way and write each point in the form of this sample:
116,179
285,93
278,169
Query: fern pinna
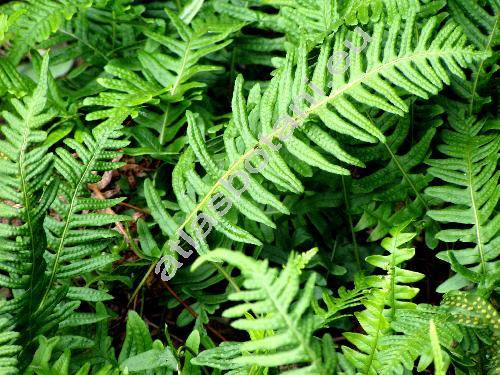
471,193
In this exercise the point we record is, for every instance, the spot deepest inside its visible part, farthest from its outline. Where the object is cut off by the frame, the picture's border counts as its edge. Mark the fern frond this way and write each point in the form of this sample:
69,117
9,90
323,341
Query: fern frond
75,235
470,193
400,351
388,298
249,137
38,21
170,69
280,306
27,190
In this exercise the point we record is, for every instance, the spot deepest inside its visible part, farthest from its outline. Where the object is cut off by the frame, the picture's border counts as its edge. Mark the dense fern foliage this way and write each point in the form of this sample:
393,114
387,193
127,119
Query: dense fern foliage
249,187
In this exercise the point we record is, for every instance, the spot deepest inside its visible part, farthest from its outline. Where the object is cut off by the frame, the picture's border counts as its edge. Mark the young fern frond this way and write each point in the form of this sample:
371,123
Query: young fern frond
280,306
470,192
388,297
75,235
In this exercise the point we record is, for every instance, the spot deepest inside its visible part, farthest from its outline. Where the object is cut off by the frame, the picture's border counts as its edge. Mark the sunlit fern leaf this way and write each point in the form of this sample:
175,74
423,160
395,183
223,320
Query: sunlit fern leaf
38,21
250,134
280,305
470,193
76,233
253,119
388,298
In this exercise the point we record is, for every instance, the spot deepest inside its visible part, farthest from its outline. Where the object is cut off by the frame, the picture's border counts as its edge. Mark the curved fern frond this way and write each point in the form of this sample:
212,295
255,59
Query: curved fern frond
470,193
388,295
281,307
75,235
249,136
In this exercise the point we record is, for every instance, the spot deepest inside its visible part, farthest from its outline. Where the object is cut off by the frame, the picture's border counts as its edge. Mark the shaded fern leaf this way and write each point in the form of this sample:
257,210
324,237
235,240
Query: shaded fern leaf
75,235
393,194
480,26
26,192
171,67
39,19
280,306
470,193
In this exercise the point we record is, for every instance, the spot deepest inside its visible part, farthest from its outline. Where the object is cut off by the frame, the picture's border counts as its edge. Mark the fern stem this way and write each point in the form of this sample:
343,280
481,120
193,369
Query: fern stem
86,43
476,79
406,177
351,227
227,276
27,207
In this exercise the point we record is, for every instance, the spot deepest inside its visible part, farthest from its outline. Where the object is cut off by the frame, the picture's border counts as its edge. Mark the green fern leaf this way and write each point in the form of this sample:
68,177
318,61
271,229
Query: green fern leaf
280,307
470,193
